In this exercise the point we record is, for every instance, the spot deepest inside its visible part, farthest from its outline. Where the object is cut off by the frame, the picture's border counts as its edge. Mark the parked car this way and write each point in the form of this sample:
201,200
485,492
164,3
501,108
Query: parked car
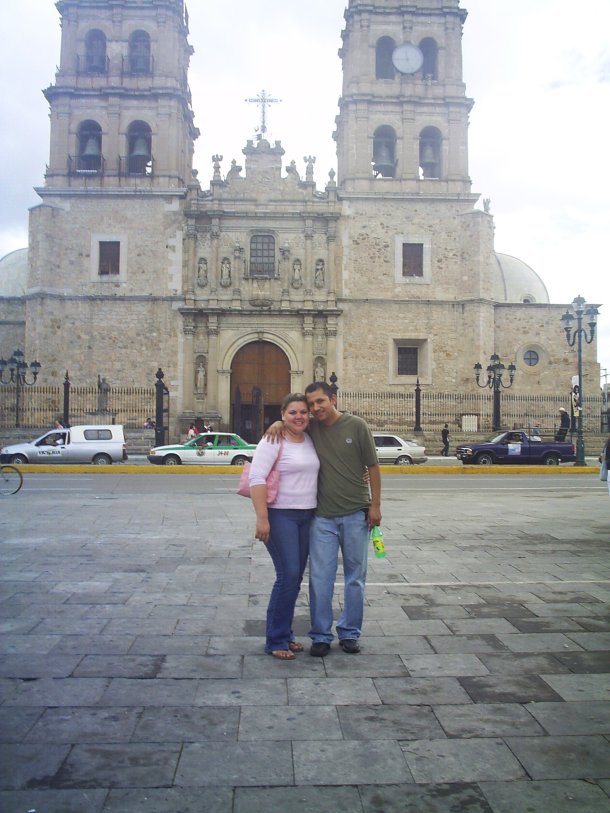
208,449
101,445
393,449
516,446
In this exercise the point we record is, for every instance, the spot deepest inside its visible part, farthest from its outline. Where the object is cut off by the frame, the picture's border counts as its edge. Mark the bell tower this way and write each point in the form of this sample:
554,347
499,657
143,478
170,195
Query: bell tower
106,241
120,105
403,120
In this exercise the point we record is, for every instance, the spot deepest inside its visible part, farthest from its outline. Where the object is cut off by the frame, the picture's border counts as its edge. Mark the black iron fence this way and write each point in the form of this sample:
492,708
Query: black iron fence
41,406
466,412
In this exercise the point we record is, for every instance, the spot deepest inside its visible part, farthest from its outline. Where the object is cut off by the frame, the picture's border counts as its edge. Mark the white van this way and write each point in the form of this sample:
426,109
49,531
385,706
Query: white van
101,445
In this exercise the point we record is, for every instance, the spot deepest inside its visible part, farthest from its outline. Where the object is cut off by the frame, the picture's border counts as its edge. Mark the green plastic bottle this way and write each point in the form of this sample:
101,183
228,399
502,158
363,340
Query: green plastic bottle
377,540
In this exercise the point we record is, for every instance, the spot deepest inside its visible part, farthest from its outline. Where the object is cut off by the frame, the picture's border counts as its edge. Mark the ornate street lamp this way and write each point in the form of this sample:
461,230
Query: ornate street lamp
17,369
580,309
495,371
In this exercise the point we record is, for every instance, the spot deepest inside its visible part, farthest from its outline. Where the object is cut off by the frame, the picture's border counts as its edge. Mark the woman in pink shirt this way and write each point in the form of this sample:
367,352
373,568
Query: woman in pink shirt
284,526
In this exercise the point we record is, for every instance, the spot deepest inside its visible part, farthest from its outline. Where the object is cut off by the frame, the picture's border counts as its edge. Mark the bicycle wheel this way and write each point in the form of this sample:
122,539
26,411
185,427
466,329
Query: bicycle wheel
11,480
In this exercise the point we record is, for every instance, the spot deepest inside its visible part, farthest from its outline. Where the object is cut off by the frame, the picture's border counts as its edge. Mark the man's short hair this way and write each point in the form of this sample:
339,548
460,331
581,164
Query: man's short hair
320,385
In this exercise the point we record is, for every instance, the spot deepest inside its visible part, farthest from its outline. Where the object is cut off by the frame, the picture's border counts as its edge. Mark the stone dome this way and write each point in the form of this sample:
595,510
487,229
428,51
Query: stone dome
14,273
521,283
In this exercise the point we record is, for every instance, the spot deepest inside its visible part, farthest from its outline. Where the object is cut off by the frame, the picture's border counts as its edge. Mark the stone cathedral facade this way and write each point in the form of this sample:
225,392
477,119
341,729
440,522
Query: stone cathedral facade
254,282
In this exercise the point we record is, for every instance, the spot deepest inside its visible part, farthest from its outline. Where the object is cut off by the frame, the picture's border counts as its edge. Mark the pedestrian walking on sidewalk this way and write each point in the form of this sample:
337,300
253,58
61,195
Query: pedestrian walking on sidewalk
564,425
445,439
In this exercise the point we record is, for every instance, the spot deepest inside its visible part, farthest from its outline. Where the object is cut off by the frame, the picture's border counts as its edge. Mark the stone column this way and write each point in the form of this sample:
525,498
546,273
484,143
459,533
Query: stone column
214,264
297,381
188,364
190,263
307,359
331,271
213,364
224,397
332,363
308,270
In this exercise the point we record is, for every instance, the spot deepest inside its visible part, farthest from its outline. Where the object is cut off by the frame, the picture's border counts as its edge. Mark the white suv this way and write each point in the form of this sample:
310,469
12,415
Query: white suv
393,449
101,445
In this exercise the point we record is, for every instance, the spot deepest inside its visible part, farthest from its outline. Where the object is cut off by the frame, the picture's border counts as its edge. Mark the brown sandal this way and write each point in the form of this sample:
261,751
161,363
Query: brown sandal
295,646
282,654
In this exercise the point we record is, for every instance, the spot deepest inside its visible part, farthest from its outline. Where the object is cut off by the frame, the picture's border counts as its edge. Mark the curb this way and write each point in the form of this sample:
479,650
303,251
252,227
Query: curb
121,468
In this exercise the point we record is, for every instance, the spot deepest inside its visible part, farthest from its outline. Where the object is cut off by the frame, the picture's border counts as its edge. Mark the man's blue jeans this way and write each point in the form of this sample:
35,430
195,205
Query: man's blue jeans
288,547
350,534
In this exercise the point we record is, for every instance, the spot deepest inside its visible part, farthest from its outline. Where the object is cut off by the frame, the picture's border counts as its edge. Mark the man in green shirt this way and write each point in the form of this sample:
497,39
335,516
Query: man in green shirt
345,514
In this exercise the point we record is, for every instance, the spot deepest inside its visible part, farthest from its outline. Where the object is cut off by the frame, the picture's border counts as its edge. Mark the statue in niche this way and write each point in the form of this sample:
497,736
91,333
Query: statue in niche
319,274
200,378
318,373
225,272
297,274
202,272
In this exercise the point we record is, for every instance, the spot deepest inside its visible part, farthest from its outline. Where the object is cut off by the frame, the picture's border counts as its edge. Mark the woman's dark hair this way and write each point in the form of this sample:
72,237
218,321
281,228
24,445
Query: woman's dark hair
291,398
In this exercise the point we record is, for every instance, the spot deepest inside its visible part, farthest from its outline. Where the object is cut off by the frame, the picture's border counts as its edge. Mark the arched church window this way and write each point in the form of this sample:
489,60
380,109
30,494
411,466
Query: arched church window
430,153
89,147
139,52
95,51
262,255
384,152
139,139
429,49
384,69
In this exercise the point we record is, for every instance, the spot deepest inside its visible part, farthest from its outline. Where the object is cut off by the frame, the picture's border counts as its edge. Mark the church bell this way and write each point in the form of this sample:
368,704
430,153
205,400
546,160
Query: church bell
427,154
140,148
92,148
383,160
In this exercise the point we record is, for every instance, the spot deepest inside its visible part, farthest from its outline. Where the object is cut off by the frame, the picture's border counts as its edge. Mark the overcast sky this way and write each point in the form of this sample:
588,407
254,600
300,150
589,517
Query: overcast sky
538,70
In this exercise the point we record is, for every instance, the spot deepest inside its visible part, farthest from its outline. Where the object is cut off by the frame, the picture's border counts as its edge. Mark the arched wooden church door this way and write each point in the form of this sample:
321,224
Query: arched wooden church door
260,378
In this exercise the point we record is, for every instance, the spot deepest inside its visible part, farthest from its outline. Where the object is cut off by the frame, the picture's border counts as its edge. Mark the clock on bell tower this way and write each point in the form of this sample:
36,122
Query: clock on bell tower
403,113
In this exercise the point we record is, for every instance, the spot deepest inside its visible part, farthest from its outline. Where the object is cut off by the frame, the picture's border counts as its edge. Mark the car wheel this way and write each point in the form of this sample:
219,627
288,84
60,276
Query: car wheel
171,460
551,460
239,461
485,459
404,460
19,459
102,460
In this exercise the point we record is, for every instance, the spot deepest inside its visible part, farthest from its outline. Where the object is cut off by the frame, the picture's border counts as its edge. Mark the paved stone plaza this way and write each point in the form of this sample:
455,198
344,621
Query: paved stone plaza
132,676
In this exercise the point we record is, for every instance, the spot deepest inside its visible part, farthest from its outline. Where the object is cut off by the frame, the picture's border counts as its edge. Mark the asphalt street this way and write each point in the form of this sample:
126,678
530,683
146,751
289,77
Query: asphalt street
133,678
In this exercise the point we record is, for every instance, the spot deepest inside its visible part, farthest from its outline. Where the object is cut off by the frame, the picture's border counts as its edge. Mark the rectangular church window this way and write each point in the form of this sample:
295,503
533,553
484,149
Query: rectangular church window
412,259
110,256
407,358
262,256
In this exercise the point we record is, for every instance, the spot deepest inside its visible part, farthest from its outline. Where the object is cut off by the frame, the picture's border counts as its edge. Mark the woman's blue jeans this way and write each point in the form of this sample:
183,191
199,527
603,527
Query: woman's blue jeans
288,547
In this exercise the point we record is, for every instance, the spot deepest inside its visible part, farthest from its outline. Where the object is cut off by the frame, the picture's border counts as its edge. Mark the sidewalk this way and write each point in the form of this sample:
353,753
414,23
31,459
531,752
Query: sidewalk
132,676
